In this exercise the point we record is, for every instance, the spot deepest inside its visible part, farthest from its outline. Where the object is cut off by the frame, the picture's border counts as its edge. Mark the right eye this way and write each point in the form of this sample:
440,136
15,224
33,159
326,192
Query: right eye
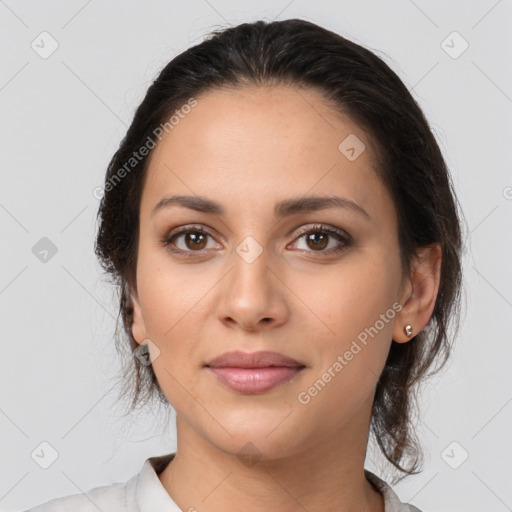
194,240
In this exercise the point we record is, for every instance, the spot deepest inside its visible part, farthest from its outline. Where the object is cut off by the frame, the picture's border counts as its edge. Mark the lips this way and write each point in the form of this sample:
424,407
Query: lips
252,360
252,373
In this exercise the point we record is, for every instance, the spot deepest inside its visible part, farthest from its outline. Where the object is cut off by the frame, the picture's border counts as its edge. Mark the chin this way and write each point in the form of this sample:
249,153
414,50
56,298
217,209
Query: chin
254,438
251,449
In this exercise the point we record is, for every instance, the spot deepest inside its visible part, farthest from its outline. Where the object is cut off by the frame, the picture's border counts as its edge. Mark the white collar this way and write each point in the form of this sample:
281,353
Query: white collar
151,496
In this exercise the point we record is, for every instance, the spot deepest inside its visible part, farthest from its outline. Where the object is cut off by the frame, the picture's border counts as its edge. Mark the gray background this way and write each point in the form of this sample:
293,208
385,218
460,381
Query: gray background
61,120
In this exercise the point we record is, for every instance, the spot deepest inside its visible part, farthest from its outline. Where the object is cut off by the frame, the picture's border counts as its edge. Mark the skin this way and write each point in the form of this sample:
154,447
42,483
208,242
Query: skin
248,149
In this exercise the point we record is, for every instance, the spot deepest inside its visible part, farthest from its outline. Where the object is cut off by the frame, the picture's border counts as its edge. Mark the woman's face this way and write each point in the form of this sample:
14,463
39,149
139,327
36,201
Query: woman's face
256,281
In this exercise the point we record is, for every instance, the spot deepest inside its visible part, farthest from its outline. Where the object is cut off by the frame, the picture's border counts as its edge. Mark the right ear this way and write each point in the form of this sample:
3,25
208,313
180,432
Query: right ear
138,326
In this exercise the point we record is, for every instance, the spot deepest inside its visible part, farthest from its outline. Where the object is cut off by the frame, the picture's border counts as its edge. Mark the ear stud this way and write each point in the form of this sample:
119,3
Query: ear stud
408,329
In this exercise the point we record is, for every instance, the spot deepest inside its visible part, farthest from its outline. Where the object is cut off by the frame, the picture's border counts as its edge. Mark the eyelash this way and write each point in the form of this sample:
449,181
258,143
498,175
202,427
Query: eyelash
344,239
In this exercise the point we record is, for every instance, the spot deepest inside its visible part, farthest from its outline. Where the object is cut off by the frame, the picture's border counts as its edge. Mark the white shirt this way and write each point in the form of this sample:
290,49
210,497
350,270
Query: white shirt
145,493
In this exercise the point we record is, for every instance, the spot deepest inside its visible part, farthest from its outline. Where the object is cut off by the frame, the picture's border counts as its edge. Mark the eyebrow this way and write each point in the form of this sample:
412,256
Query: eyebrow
282,209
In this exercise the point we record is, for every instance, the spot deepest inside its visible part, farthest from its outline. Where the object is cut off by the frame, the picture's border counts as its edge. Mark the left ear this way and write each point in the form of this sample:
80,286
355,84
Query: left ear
420,294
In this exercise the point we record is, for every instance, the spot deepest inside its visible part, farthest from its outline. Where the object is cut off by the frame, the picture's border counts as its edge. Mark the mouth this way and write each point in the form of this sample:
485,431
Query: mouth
252,373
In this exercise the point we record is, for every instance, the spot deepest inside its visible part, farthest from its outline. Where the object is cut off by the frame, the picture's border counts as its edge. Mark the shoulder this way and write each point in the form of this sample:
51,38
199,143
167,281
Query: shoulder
392,502
143,488
107,498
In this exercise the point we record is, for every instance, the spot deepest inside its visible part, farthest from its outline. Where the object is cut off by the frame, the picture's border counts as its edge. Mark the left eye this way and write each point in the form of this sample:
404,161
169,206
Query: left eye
317,239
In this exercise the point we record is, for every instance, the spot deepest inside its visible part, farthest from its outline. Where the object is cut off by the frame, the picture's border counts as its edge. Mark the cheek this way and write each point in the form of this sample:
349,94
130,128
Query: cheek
175,303
353,321
350,361
171,322
343,302
166,293
162,314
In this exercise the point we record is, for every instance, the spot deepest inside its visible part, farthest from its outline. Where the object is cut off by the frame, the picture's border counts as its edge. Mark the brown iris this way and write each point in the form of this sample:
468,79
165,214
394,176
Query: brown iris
318,244
196,241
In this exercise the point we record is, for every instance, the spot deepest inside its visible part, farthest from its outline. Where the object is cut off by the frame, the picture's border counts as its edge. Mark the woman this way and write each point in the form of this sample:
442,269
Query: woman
284,232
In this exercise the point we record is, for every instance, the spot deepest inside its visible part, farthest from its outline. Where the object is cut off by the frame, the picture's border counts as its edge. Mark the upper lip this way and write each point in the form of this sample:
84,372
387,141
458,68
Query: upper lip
261,359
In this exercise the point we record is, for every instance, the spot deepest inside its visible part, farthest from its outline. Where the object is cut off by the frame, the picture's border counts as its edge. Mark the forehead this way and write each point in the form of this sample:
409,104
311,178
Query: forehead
262,142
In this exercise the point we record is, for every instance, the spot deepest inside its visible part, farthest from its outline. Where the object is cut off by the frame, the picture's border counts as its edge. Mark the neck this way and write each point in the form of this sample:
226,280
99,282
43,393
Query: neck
327,476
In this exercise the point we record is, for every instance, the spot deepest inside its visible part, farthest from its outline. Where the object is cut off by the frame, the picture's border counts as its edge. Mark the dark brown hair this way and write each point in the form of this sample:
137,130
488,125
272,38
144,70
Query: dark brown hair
357,84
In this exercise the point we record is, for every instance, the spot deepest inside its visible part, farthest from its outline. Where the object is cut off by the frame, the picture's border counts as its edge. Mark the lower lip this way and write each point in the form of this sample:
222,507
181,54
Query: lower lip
255,380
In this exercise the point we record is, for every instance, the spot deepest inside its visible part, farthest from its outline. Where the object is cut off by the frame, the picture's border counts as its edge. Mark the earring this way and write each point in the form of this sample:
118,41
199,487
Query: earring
408,329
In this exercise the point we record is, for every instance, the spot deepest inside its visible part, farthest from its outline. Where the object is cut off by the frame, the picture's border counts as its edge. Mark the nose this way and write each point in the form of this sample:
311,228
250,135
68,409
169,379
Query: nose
252,295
